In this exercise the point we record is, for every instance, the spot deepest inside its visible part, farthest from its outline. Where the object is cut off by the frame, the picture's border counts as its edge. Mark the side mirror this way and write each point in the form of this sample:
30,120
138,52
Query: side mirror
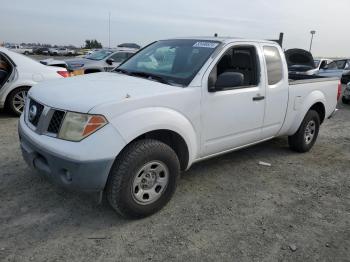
110,61
227,80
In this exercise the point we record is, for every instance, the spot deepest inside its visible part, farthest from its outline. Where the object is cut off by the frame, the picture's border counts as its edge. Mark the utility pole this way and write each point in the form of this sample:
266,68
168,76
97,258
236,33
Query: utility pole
109,30
313,32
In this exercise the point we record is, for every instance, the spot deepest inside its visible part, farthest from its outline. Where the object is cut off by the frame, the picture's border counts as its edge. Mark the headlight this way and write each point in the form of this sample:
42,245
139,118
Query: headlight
76,126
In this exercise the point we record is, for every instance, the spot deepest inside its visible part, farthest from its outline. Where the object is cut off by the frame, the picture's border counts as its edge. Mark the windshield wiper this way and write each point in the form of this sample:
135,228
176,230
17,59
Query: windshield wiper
144,75
122,71
150,76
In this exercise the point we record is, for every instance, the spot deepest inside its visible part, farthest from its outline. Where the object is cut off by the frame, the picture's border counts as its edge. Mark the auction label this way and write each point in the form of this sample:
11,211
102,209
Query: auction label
206,44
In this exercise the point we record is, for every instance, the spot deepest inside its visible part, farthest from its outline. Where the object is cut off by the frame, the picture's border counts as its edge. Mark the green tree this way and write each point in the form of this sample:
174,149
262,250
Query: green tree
91,44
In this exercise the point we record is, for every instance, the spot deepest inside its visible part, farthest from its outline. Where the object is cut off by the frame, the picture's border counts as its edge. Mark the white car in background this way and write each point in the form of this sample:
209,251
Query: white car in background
21,50
62,51
18,74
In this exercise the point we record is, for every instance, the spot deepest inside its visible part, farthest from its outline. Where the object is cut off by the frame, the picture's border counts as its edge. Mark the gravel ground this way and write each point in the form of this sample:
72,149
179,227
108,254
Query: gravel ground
225,209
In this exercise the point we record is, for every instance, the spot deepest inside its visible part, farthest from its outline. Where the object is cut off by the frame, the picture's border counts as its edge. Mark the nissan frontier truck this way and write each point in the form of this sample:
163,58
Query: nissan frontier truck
129,133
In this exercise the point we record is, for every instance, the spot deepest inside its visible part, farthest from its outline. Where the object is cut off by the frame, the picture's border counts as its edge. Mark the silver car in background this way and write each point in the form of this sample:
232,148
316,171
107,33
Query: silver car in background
103,60
338,68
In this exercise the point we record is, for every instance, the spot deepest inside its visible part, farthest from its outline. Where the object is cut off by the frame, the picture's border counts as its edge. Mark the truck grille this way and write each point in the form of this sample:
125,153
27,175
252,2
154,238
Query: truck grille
35,111
56,121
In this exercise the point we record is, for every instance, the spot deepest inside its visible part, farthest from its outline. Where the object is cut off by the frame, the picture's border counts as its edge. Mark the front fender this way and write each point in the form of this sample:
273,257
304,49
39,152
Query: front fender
138,122
302,106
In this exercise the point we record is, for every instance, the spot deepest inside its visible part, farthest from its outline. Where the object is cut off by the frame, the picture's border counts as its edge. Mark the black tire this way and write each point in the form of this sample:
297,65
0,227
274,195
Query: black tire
344,80
26,52
344,100
10,101
120,185
298,142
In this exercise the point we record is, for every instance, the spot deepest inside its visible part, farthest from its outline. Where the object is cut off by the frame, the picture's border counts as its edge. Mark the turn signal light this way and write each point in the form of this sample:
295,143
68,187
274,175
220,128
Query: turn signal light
95,122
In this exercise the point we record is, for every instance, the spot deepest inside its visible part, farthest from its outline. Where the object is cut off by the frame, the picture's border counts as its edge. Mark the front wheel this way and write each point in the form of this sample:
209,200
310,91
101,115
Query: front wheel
143,178
16,100
304,139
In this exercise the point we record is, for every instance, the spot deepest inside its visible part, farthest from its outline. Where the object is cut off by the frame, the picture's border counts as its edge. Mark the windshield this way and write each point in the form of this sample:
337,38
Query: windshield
174,61
99,55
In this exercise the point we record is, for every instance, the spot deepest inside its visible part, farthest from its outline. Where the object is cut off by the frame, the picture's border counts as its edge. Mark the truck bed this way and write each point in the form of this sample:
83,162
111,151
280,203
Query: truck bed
295,79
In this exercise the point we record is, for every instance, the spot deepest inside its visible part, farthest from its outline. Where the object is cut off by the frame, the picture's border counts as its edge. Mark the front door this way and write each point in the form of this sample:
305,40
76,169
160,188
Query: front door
233,117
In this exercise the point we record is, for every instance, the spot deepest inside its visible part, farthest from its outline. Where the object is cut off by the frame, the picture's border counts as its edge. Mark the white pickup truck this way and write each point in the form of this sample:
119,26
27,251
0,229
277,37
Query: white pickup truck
129,133
21,50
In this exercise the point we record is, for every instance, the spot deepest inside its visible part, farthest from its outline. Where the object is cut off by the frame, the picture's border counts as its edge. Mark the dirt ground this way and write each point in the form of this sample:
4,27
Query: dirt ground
228,208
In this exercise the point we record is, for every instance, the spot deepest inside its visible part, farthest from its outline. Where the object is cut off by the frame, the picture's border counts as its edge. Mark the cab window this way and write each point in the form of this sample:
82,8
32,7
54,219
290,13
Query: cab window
239,59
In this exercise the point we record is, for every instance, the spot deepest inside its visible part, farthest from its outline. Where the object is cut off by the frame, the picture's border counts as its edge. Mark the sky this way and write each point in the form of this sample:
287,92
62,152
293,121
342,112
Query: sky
71,22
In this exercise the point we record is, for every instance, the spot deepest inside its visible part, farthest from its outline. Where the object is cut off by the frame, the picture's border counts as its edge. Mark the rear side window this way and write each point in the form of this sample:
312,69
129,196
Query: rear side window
273,64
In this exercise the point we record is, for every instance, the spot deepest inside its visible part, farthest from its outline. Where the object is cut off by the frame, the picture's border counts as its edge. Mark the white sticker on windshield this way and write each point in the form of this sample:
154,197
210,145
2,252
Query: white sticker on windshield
206,44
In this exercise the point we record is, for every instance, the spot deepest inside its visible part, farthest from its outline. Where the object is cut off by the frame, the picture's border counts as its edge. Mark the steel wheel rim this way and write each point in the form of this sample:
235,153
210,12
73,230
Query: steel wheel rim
150,182
310,131
19,101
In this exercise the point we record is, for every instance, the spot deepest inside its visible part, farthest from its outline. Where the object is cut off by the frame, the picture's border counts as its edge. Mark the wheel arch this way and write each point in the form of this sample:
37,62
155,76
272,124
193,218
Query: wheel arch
170,138
314,101
166,125
320,109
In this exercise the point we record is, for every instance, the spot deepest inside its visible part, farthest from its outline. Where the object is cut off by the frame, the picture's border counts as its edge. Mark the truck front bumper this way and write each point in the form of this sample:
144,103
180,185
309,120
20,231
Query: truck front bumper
69,172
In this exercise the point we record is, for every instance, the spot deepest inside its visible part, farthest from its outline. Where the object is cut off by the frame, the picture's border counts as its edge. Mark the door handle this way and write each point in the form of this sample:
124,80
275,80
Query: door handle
258,98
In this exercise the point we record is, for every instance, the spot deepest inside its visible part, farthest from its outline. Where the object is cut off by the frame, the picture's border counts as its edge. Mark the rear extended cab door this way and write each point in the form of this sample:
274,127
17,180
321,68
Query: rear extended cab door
277,91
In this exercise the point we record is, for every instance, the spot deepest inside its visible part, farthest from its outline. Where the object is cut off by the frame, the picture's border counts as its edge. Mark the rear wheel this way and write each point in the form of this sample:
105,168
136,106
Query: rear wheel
143,178
345,100
16,100
304,139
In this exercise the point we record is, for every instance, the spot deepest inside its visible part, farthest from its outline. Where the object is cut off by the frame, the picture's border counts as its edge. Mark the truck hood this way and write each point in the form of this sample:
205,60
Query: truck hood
82,93
299,60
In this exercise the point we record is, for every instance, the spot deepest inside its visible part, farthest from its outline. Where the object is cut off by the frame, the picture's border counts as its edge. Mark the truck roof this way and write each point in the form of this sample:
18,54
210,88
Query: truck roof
224,39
